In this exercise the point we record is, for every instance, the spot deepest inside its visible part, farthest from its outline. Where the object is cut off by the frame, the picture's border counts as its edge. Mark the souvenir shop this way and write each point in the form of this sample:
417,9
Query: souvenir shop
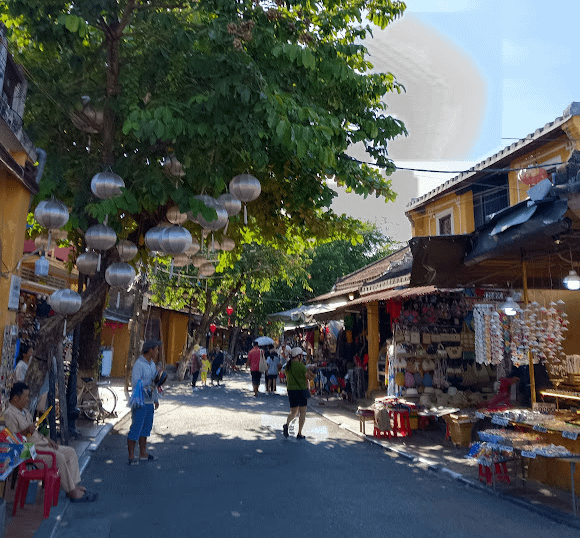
464,357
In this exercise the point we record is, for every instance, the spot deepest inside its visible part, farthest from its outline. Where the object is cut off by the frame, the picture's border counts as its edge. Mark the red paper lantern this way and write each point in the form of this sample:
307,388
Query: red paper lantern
229,310
327,329
531,176
212,328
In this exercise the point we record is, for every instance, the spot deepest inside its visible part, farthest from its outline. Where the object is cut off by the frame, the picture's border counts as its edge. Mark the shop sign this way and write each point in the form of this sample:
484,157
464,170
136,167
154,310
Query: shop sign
566,434
14,293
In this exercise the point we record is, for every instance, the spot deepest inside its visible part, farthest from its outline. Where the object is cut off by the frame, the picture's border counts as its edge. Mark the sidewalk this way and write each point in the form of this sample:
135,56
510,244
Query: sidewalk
431,451
28,522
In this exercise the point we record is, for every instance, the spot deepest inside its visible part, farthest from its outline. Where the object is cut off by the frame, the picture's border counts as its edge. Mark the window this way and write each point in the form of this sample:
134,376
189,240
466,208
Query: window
445,223
490,195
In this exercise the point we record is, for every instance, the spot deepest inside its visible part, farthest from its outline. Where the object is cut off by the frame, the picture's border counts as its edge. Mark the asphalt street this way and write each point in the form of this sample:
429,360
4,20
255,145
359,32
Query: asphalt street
225,470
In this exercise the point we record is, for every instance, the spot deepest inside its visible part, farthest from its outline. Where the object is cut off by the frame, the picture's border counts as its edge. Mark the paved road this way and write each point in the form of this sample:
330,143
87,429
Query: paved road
225,470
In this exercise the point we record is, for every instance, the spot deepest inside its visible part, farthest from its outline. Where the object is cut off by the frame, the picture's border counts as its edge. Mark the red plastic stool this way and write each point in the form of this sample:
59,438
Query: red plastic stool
400,422
501,473
381,434
49,476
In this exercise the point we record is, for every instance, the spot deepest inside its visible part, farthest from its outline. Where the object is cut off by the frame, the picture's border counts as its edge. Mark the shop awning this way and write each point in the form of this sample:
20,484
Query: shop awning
304,314
401,293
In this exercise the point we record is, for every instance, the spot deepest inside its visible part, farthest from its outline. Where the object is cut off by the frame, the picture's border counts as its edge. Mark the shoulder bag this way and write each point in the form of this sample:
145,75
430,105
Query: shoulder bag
263,366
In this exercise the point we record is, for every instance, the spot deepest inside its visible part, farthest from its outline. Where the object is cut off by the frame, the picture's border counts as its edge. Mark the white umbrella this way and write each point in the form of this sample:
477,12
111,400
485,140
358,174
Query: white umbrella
264,340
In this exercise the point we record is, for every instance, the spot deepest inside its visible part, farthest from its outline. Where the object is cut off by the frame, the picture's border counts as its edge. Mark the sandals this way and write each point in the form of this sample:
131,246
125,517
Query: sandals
300,436
134,461
285,430
150,457
88,497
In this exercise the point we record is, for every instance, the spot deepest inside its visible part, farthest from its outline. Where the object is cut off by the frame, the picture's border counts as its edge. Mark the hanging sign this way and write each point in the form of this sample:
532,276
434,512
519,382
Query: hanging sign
14,293
541,429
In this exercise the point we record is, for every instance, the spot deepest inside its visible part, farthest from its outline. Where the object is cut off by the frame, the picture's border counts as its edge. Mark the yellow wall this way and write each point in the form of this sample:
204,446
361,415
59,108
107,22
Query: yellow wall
373,344
424,222
14,203
119,340
173,334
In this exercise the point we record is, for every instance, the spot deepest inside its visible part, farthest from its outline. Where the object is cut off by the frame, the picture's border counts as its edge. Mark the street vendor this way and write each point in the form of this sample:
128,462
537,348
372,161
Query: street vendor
19,420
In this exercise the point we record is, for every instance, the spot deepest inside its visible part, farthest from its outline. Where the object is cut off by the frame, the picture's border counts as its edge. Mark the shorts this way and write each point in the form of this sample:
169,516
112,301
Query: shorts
256,376
142,422
271,377
297,398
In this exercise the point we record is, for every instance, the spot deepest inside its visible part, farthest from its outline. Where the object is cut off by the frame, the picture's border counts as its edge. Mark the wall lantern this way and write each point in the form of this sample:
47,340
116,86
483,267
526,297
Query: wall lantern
510,307
572,281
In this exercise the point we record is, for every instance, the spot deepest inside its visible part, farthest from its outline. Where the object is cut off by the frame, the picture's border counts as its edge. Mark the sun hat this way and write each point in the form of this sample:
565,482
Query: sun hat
296,351
150,344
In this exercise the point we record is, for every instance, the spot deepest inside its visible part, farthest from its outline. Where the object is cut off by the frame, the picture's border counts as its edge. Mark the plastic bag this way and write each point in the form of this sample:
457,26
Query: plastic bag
136,400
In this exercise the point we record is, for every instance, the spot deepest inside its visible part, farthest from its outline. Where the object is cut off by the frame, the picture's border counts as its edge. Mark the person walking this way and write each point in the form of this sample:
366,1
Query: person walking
205,366
274,367
195,368
19,420
217,366
297,376
253,362
144,370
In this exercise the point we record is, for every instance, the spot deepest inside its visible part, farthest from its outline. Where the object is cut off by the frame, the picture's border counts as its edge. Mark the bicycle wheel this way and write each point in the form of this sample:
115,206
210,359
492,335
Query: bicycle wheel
90,406
108,401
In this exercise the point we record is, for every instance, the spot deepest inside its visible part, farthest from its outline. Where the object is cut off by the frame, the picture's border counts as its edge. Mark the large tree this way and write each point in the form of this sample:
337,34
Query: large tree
277,89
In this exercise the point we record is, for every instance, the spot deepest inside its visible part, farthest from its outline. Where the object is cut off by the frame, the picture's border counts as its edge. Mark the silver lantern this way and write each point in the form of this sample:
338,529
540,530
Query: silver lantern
175,216
65,302
198,260
119,275
175,240
152,238
87,263
127,250
181,260
228,244
207,269
231,203
246,188
51,214
100,237
193,248
221,214
106,185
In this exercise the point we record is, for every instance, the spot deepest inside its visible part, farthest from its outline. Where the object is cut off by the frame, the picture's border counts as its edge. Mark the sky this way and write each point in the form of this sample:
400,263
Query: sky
479,75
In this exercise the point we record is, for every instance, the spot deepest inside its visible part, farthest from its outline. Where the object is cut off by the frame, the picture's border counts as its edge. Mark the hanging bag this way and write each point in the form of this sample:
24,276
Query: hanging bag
441,351
263,366
426,338
454,352
415,337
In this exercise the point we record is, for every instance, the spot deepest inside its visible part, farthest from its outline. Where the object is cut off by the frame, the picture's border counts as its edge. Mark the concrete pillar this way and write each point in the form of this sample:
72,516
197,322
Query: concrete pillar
373,341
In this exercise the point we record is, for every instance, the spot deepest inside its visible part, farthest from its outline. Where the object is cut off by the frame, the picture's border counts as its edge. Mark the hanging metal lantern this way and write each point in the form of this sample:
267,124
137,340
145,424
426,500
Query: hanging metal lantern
87,263
65,302
221,218
207,269
232,204
175,216
119,275
181,260
198,260
127,250
193,248
228,244
246,188
41,241
106,185
51,214
175,239
152,238
100,237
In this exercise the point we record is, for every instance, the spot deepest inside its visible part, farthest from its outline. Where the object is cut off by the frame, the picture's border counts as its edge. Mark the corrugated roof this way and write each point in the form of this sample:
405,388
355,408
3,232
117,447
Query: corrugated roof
394,294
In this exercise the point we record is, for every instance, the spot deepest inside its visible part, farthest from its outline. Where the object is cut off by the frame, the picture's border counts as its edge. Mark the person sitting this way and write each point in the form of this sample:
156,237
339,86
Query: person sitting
18,420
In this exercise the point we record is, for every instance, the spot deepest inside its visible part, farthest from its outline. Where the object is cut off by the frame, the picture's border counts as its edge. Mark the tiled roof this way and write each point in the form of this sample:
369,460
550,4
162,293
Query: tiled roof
504,154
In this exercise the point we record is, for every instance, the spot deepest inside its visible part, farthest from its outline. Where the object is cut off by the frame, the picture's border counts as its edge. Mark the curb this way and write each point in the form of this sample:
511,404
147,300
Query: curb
554,515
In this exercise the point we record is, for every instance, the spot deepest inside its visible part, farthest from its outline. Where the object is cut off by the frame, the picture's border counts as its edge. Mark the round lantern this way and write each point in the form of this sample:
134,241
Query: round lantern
65,302
119,275
127,250
175,216
175,239
41,241
87,263
100,237
229,310
228,244
51,214
231,204
532,176
207,269
181,260
246,188
106,185
222,215
212,328
152,238
193,248
198,260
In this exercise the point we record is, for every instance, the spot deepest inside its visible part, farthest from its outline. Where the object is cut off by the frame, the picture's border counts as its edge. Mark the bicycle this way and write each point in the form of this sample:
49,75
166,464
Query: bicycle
95,399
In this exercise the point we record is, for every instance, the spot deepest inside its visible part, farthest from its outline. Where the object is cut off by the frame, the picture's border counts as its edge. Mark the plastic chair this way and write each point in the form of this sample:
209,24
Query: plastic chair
50,476
401,422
